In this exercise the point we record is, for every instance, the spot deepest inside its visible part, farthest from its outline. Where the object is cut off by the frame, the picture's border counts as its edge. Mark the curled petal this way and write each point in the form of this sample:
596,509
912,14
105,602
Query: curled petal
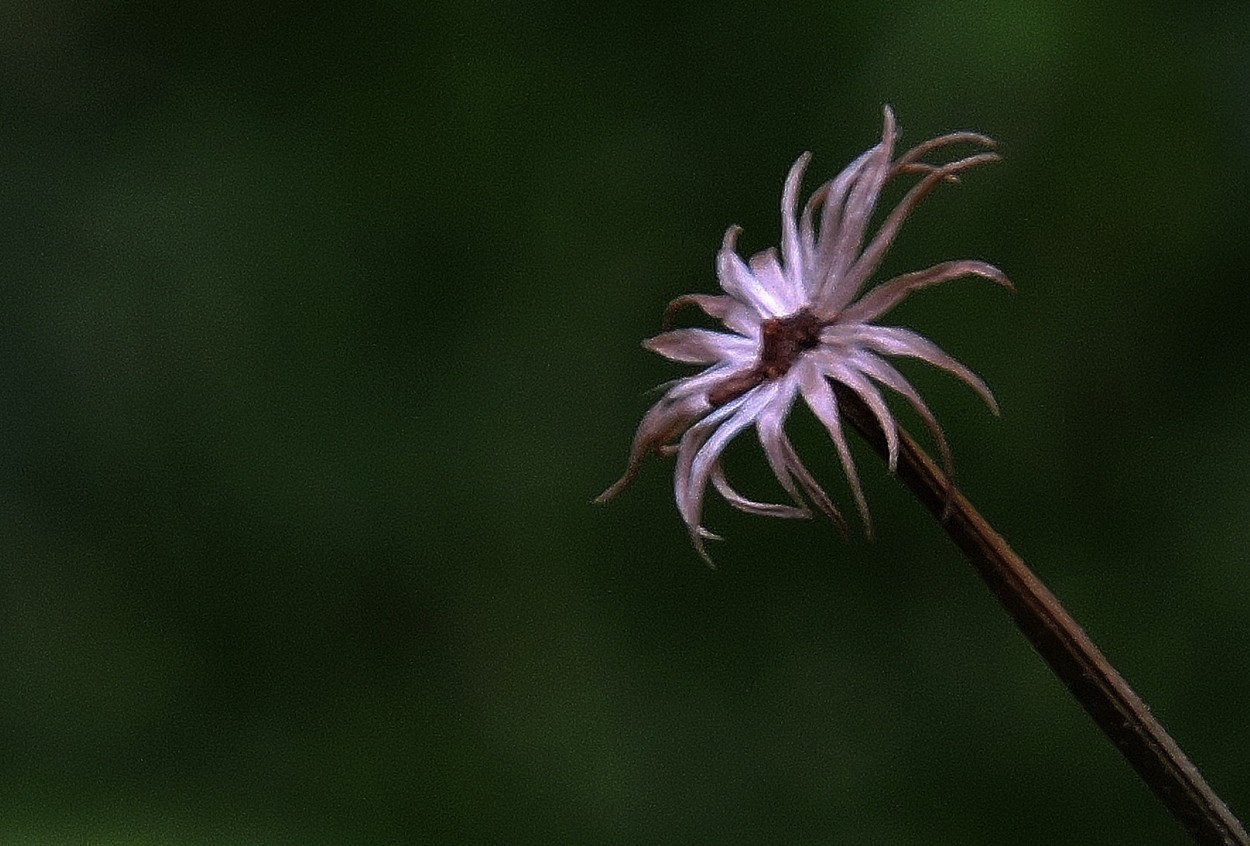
807,236
693,439
750,506
789,468
889,294
835,300
785,462
771,428
736,317
915,154
700,384
684,402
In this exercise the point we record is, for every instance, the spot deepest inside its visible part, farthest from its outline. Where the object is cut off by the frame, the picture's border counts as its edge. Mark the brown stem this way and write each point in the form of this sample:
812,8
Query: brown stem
1061,642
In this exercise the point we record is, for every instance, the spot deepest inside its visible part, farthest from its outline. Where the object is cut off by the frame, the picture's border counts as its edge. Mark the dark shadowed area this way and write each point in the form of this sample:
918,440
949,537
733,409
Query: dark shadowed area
320,331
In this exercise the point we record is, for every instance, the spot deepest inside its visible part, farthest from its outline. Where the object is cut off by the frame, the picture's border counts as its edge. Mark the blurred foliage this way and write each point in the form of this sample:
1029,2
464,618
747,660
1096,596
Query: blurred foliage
321,330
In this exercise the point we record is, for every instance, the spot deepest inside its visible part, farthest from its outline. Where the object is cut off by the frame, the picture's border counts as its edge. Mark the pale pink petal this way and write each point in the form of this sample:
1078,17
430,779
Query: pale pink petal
833,197
824,405
893,340
765,267
700,346
788,469
700,450
885,373
693,439
807,237
810,486
842,369
860,203
770,424
887,295
738,281
708,453
791,250
784,461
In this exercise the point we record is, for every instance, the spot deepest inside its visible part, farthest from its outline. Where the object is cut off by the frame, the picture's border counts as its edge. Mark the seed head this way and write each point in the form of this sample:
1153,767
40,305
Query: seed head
793,322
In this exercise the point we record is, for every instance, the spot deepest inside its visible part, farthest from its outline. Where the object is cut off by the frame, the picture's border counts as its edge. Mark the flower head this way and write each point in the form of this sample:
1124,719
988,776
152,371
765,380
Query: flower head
794,321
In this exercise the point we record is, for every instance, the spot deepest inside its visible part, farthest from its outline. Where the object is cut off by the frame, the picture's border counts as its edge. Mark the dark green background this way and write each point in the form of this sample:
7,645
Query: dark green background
320,330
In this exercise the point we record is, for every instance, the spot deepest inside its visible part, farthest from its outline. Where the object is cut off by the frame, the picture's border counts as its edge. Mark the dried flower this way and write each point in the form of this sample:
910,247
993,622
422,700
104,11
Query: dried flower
793,324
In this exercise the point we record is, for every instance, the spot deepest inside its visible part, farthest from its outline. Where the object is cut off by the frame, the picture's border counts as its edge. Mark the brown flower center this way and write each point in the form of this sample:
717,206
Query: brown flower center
783,340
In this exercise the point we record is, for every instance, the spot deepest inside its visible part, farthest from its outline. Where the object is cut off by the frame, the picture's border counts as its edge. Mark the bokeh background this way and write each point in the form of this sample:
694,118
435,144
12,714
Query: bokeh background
320,331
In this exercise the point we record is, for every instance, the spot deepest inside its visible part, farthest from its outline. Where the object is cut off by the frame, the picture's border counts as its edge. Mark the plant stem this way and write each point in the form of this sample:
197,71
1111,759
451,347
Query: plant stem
1061,642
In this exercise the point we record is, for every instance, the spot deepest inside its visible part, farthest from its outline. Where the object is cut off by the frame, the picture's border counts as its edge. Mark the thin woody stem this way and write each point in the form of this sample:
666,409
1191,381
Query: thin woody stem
1061,642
